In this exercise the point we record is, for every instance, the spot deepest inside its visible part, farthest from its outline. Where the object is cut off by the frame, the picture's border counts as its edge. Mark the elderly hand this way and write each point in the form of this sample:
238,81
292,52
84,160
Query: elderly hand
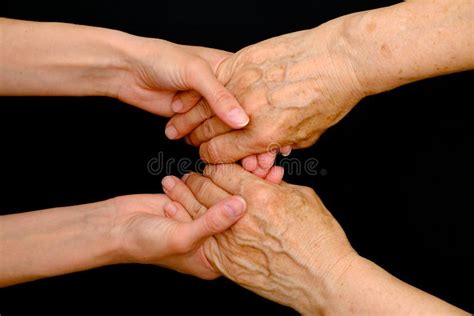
289,248
293,87
297,85
285,247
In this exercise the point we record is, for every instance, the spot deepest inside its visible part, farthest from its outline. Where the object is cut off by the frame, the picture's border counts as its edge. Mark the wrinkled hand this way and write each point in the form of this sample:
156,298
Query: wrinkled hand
286,246
293,87
153,230
160,71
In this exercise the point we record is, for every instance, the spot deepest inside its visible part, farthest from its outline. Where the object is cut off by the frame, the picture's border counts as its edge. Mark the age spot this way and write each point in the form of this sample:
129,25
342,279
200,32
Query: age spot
371,27
385,50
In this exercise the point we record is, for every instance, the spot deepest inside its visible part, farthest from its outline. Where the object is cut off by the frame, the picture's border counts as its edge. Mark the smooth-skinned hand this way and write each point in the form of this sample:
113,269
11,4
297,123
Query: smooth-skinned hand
166,78
151,229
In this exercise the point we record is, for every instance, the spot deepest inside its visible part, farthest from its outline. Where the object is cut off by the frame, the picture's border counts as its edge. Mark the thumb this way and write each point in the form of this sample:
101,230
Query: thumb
222,102
217,219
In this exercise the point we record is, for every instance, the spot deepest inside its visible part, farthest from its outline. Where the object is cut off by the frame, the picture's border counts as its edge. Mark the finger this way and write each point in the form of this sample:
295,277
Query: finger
264,164
285,150
275,175
224,104
261,173
216,220
229,147
177,191
176,211
210,128
205,191
182,124
185,100
266,160
230,177
250,163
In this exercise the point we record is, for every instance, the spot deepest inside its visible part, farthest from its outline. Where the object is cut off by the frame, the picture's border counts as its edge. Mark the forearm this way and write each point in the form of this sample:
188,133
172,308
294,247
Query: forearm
56,241
353,285
365,288
50,59
410,41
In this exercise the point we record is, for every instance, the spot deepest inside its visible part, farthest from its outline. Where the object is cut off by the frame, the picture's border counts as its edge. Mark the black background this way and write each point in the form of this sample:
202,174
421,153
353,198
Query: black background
399,166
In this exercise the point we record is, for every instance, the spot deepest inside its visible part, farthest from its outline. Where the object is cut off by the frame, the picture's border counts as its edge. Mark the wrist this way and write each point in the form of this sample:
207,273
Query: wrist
340,63
322,289
131,58
99,227
338,291
368,49
114,67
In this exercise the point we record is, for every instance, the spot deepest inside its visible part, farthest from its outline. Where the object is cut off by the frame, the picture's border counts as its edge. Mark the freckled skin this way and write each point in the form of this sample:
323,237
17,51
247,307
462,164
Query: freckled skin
385,51
288,248
283,248
282,225
298,84
371,27
309,80
293,88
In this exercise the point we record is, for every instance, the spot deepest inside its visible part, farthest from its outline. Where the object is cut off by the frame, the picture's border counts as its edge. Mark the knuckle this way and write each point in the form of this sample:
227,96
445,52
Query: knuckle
208,129
201,187
307,190
251,54
203,110
267,196
257,190
212,151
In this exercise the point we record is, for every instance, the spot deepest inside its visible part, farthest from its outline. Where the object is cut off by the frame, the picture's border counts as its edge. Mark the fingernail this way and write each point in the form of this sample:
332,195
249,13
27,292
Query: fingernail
171,132
185,177
238,117
285,150
177,105
234,207
168,183
170,209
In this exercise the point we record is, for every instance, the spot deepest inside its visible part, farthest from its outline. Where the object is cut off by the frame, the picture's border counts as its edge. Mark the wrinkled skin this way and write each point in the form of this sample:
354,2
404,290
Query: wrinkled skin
293,87
286,236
